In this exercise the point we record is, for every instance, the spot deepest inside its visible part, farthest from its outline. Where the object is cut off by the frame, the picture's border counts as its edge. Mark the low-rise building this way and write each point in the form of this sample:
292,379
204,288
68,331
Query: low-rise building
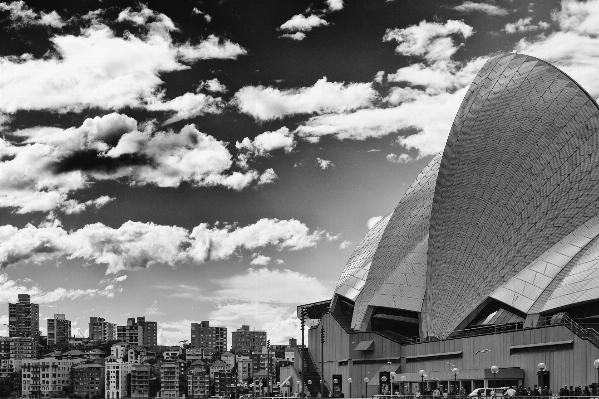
170,355
194,354
88,380
6,367
119,350
169,378
198,381
225,383
5,346
217,366
229,359
115,377
23,348
47,377
140,380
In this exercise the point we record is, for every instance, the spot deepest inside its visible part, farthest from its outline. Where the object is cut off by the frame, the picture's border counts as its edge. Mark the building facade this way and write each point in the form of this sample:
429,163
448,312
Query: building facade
246,341
204,336
225,383
140,380
101,330
23,318
198,382
23,348
46,378
116,378
139,332
169,380
490,258
88,380
59,330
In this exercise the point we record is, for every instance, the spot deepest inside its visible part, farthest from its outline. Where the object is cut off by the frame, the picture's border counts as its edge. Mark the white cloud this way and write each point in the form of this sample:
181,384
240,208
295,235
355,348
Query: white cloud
266,142
335,5
302,23
266,103
378,78
187,106
297,36
401,158
372,221
210,48
260,260
206,17
213,86
430,40
578,16
345,244
136,245
153,310
490,9
141,17
324,163
525,25
22,15
73,206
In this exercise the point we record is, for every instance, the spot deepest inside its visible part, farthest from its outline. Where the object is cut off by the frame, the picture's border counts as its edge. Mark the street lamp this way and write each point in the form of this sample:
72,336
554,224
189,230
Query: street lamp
596,364
541,366
455,371
403,384
349,380
494,370
422,374
392,374
322,361
366,387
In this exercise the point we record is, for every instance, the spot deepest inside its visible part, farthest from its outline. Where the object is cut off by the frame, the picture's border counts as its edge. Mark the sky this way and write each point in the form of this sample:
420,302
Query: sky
220,160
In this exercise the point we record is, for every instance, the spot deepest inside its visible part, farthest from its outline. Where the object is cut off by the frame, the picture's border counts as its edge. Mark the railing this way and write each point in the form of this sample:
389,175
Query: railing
564,319
416,396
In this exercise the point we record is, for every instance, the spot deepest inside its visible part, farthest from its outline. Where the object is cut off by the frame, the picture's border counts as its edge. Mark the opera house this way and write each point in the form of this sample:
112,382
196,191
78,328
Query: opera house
491,257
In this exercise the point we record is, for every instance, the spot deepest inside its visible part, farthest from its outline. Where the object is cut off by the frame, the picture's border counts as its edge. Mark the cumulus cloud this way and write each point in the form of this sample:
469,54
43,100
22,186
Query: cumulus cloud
153,310
260,260
525,25
335,5
578,23
38,173
21,15
213,86
401,158
489,9
302,23
431,40
187,106
372,221
297,36
345,244
93,69
206,17
266,142
324,163
267,103
136,245
9,290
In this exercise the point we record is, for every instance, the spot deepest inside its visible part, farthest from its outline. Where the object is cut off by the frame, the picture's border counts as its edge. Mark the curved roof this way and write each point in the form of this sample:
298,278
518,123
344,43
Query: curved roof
519,173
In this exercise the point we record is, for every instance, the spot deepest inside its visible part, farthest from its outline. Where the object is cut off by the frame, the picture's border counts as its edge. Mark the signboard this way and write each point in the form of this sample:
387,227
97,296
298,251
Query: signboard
337,387
384,383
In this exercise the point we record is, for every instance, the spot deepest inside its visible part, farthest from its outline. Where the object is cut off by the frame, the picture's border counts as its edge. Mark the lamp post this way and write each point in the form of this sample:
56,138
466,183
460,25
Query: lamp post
298,388
455,371
403,384
366,387
349,380
596,364
494,370
322,361
392,374
303,372
541,367
422,373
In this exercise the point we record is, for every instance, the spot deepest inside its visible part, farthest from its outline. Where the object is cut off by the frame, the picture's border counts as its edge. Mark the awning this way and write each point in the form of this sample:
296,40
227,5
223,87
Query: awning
365,346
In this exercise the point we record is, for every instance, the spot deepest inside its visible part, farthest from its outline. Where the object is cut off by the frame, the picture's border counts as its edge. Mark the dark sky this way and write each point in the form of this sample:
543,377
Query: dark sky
219,160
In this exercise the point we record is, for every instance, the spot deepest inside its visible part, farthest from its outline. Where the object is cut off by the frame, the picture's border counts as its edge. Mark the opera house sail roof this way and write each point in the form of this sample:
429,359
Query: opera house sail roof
508,214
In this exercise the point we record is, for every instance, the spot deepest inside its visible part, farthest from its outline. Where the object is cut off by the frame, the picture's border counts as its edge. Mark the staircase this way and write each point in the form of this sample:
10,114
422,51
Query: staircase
313,375
564,319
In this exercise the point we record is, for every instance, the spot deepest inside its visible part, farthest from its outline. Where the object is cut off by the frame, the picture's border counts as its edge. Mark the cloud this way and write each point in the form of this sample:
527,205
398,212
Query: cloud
213,86
335,5
578,23
93,69
260,260
187,106
401,158
302,23
267,103
267,142
297,36
525,25
21,15
345,244
324,163
153,310
207,17
431,40
489,9
372,221
137,245
38,172
10,289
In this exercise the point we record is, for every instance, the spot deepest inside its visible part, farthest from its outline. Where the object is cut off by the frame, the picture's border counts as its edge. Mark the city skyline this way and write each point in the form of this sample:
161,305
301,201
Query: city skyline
194,161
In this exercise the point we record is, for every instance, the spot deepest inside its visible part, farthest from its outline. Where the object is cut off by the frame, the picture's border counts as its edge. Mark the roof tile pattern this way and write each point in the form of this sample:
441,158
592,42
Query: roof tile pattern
520,172
398,251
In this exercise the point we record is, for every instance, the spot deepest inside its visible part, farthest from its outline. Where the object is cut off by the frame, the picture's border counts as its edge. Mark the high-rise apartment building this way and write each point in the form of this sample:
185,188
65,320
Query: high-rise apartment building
140,380
139,332
101,330
59,330
203,336
246,341
24,318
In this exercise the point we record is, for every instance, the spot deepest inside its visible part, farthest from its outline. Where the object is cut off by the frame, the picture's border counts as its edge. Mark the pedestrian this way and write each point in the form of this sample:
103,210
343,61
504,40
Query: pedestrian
511,392
587,391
